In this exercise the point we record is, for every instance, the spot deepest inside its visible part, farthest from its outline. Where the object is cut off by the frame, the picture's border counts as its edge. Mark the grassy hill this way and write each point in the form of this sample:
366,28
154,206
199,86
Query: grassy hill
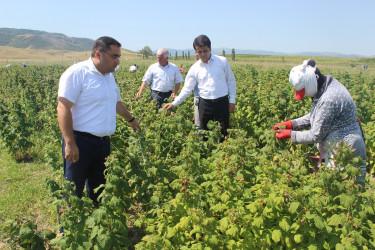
34,39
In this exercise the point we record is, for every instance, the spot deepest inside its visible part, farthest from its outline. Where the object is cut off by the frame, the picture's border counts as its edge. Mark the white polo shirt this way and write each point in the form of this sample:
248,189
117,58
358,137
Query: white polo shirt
210,80
163,78
94,95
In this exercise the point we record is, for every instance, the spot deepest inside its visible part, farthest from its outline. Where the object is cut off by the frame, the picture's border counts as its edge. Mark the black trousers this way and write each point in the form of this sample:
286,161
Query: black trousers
89,169
214,110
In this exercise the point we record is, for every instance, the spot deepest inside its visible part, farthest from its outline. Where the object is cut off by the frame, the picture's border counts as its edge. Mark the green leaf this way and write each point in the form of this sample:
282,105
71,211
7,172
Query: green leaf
232,231
155,199
103,240
183,224
276,235
223,225
94,232
336,219
26,234
170,232
225,197
90,222
258,222
213,240
298,238
293,207
284,224
340,246
99,215
318,222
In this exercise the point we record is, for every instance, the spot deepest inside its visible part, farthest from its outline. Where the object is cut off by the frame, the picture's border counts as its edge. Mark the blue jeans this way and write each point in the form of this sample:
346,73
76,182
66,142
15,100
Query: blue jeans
89,169
160,96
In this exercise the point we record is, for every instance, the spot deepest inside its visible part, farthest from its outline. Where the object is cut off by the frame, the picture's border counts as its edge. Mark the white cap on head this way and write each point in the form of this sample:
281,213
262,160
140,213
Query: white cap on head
303,79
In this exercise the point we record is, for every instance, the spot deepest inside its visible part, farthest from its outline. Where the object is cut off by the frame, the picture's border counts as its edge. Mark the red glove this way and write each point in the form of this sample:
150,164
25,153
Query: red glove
287,124
283,134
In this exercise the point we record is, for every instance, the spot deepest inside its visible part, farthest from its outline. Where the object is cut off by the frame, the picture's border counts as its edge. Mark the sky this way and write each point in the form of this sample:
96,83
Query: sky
345,26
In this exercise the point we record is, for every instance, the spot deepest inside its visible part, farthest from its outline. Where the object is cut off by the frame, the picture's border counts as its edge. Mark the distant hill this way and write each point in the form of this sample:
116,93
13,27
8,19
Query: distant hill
34,39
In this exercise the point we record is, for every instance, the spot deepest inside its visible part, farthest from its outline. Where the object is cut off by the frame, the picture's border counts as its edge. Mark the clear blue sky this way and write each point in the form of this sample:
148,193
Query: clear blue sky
345,26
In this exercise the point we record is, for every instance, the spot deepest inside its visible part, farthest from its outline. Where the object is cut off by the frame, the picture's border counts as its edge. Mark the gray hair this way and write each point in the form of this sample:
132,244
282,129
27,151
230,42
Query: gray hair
163,51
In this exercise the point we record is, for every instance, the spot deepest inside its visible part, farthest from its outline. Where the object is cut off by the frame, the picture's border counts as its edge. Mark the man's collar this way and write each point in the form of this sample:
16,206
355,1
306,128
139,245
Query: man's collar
92,66
163,66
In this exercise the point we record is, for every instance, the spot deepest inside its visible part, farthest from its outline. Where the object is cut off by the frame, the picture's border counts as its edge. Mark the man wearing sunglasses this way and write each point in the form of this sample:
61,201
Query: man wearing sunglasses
88,100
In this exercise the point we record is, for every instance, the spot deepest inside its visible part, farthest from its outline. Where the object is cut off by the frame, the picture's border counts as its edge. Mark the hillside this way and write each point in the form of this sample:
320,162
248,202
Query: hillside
34,39
50,56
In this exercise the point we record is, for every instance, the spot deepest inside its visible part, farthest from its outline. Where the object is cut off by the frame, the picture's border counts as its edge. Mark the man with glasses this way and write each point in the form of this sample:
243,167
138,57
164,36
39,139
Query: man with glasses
88,100
164,76
212,79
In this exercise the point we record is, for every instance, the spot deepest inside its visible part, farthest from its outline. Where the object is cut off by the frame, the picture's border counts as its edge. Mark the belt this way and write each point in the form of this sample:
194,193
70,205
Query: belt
91,135
163,93
220,99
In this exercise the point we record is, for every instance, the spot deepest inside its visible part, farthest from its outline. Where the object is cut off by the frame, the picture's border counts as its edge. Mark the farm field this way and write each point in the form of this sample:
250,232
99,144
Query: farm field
167,189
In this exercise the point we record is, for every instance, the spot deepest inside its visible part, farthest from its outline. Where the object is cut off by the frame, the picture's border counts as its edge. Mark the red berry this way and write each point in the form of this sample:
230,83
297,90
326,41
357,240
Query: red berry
185,156
187,192
238,178
182,189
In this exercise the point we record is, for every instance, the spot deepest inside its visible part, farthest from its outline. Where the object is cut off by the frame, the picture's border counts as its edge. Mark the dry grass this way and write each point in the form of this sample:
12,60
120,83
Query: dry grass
35,56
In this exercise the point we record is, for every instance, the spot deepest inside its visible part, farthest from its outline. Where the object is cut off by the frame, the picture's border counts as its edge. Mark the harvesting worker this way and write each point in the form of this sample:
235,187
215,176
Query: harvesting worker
215,83
133,68
165,78
88,100
333,116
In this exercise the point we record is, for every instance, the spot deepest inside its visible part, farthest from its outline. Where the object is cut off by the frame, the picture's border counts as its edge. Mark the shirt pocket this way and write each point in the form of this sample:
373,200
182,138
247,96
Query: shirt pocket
94,90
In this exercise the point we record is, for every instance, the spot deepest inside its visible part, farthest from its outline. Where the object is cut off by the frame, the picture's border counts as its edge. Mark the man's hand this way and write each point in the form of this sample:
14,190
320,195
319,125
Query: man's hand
71,152
174,95
139,93
232,107
135,125
168,106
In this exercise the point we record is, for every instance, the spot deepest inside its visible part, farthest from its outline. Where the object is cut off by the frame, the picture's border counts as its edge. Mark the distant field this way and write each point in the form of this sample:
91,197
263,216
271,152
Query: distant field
33,56
47,57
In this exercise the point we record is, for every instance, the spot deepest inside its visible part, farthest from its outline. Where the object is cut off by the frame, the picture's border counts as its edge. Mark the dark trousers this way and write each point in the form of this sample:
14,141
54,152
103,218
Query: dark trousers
89,169
161,97
214,110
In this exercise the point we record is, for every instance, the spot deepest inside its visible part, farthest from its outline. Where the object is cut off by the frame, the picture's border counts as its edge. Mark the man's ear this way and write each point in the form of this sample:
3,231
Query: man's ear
98,54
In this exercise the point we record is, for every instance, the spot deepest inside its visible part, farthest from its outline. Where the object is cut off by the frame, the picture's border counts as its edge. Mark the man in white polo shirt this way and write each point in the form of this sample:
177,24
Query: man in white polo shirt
88,99
216,85
164,76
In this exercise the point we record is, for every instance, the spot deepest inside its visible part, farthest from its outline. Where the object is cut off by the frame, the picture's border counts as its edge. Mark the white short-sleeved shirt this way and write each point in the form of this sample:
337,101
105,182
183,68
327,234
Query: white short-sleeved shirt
94,95
163,78
133,68
210,80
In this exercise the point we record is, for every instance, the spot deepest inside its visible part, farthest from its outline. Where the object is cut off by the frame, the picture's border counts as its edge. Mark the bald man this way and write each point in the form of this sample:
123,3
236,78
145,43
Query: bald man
165,78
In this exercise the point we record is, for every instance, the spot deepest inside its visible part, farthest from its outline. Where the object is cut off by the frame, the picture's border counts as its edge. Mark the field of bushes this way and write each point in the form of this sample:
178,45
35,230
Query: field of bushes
166,189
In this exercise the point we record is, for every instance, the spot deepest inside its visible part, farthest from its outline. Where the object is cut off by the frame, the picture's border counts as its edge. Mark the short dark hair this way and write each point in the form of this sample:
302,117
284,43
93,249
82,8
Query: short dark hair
103,44
202,41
